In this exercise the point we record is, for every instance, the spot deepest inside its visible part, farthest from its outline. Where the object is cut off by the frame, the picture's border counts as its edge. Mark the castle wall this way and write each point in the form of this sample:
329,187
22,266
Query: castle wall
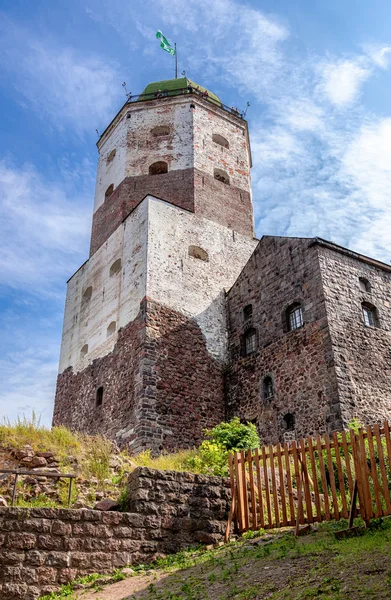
189,285
362,354
280,272
114,297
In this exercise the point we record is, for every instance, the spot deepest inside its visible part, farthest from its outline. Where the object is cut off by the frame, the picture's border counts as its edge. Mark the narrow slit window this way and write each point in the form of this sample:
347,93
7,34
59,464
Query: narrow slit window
109,190
289,422
365,286
268,387
84,351
115,267
111,328
86,297
99,396
248,312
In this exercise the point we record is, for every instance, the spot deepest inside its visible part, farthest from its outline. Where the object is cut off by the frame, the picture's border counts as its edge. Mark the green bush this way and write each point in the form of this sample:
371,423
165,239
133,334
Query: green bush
212,456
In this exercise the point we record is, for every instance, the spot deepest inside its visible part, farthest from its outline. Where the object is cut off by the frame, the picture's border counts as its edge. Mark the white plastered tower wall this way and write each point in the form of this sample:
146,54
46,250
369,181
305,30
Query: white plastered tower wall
114,298
136,147
153,246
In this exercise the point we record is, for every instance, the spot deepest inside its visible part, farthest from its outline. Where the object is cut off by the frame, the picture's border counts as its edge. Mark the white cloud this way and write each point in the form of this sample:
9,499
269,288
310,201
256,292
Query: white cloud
379,55
44,233
343,80
65,86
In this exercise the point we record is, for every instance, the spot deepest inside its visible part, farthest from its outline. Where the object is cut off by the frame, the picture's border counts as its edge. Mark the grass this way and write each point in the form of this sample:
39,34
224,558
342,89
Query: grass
280,568
88,456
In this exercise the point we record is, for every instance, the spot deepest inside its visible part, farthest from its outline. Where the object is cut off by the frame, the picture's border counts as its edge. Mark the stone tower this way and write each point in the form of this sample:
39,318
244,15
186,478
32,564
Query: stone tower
145,339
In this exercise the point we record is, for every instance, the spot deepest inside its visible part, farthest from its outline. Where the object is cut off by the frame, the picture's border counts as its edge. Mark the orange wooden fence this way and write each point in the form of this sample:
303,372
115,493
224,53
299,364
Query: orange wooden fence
312,480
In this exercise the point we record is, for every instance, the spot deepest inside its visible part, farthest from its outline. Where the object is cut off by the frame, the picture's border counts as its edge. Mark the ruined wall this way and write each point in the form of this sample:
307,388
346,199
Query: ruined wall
41,548
362,354
280,272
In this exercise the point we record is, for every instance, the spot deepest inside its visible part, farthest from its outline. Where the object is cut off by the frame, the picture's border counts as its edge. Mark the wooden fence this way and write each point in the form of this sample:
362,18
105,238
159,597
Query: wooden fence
312,480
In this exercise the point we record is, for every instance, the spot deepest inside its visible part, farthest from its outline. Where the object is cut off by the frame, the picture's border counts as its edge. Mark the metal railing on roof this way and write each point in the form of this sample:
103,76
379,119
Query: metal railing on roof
184,91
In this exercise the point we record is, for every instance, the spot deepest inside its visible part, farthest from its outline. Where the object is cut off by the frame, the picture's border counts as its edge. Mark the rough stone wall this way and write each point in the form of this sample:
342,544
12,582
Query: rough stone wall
362,354
120,374
182,384
40,549
280,272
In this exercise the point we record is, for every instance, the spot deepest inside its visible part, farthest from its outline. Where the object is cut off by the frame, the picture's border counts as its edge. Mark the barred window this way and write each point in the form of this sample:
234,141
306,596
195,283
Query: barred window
370,315
268,387
250,341
295,317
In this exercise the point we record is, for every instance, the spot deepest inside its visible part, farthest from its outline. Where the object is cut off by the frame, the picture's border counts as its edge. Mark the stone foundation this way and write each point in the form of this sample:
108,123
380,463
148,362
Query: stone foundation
40,549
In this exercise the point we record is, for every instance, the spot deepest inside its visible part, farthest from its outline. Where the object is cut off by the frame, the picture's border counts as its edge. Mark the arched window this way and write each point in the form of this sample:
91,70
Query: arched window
111,328
200,253
219,139
364,284
370,315
109,190
84,351
250,342
158,168
86,297
248,312
267,387
289,422
160,130
222,176
99,396
295,316
115,267
110,156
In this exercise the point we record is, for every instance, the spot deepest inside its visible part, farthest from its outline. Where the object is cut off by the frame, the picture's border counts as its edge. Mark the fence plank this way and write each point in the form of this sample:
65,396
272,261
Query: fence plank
365,473
358,471
373,470
239,487
245,492
336,445
274,486
267,490
259,485
306,482
315,479
323,478
388,442
385,490
289,483
282,485
331,477
346,444
299,517
252,489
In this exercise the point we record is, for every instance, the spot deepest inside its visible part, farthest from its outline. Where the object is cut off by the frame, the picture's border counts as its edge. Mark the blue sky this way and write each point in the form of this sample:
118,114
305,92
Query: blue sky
316,73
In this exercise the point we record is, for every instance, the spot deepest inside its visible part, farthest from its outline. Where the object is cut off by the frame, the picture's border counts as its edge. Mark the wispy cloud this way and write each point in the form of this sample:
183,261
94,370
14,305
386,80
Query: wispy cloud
63,85
44,232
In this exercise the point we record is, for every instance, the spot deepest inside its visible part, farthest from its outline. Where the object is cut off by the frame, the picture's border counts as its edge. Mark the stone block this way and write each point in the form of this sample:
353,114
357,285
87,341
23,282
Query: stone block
49,542
57,559
66,575
61,528
11,557
21,541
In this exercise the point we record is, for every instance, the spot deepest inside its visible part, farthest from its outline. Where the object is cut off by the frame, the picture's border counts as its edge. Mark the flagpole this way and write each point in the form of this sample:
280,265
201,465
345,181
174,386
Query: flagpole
176,62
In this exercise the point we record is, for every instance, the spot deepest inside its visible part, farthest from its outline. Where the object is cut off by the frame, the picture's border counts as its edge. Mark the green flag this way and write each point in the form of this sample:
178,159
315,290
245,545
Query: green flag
164,43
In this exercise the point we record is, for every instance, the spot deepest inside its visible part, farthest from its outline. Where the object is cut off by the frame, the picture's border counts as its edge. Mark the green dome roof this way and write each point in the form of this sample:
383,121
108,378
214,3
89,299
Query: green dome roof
174,88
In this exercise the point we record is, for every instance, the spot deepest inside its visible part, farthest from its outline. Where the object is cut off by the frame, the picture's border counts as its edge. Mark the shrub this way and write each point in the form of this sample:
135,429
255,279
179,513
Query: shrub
212,455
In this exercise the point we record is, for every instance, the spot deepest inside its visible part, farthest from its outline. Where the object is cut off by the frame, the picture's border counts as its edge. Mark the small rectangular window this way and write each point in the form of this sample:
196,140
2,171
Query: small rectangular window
251,342
248,312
